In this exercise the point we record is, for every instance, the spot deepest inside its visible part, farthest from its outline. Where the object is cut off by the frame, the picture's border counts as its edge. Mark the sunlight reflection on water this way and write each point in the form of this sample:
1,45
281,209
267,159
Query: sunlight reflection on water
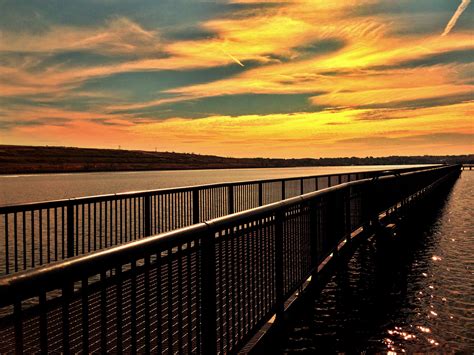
421,300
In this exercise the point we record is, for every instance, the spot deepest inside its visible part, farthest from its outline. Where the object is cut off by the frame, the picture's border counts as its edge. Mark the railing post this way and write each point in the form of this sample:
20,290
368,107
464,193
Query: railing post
313,224
230,199
209,304
7,263
43,323
260,194
18,326
301,187
283,194
365,208
70,229
337,219
195,206
313,235
67,291
373,219
279,271
348,213
147,215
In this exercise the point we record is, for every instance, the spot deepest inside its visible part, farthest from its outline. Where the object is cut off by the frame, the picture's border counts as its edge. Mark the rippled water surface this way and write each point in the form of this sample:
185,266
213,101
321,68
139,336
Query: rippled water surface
419,297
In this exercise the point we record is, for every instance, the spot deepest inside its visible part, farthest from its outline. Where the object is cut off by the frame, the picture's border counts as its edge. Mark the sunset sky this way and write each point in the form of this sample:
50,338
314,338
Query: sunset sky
242,78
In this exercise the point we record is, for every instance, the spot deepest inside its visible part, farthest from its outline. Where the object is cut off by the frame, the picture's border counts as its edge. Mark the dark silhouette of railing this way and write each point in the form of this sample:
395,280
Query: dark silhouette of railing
205,288
39,233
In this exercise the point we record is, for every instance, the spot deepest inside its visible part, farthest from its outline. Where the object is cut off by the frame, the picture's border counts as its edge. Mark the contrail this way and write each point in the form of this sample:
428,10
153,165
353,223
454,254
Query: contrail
456,16
233,58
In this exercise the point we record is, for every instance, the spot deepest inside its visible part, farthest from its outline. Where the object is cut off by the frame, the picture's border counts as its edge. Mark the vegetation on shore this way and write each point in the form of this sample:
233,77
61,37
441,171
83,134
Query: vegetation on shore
29,159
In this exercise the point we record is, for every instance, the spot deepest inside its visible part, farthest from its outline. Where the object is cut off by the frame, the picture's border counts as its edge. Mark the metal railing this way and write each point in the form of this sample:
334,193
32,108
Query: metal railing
39,233
203,289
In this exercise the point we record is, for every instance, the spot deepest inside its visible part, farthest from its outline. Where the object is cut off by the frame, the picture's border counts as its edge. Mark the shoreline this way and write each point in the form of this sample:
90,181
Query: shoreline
22,160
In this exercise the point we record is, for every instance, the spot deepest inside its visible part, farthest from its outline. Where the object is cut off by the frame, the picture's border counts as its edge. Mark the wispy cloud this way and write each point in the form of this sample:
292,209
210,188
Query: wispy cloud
463,6
119,35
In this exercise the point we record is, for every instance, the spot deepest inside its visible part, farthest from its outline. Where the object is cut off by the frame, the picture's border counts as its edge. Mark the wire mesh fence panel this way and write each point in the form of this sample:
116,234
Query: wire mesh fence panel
147,303
245,197
309,185
245,280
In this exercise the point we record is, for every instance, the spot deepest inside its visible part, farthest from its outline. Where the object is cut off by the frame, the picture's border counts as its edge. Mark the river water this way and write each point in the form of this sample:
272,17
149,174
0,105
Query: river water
418,298
39,187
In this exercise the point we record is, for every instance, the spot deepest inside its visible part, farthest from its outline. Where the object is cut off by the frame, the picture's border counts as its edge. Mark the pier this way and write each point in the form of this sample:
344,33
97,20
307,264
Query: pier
188,270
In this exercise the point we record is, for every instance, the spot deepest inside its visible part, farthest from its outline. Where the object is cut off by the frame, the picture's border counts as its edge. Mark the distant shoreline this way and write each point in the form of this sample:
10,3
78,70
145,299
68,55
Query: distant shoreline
190,169
20,160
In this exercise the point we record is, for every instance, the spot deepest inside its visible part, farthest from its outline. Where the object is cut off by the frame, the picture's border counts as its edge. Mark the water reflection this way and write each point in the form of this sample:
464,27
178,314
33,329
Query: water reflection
418,297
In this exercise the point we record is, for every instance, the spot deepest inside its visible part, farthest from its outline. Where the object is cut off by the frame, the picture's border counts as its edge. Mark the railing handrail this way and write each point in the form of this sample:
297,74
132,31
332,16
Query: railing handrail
234,217
9,208
56,272
46,275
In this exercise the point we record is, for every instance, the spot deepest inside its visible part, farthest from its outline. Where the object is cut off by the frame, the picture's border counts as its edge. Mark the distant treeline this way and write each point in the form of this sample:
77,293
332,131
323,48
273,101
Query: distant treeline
26,159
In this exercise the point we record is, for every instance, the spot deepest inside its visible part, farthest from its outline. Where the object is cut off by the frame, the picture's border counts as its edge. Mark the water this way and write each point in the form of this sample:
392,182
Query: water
418,298
39,187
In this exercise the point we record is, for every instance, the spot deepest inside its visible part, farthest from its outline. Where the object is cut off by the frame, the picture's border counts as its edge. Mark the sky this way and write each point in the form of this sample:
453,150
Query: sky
242,78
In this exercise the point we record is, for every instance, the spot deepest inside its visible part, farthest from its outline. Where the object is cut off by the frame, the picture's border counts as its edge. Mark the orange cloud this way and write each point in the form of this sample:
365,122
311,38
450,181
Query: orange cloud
313,134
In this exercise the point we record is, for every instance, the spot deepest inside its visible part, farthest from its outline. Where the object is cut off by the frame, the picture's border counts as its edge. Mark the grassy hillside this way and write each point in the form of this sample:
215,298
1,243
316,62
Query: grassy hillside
26,159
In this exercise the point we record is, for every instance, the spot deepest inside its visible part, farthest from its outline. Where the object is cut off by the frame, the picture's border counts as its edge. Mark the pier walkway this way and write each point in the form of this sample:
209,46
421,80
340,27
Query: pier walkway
204,280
